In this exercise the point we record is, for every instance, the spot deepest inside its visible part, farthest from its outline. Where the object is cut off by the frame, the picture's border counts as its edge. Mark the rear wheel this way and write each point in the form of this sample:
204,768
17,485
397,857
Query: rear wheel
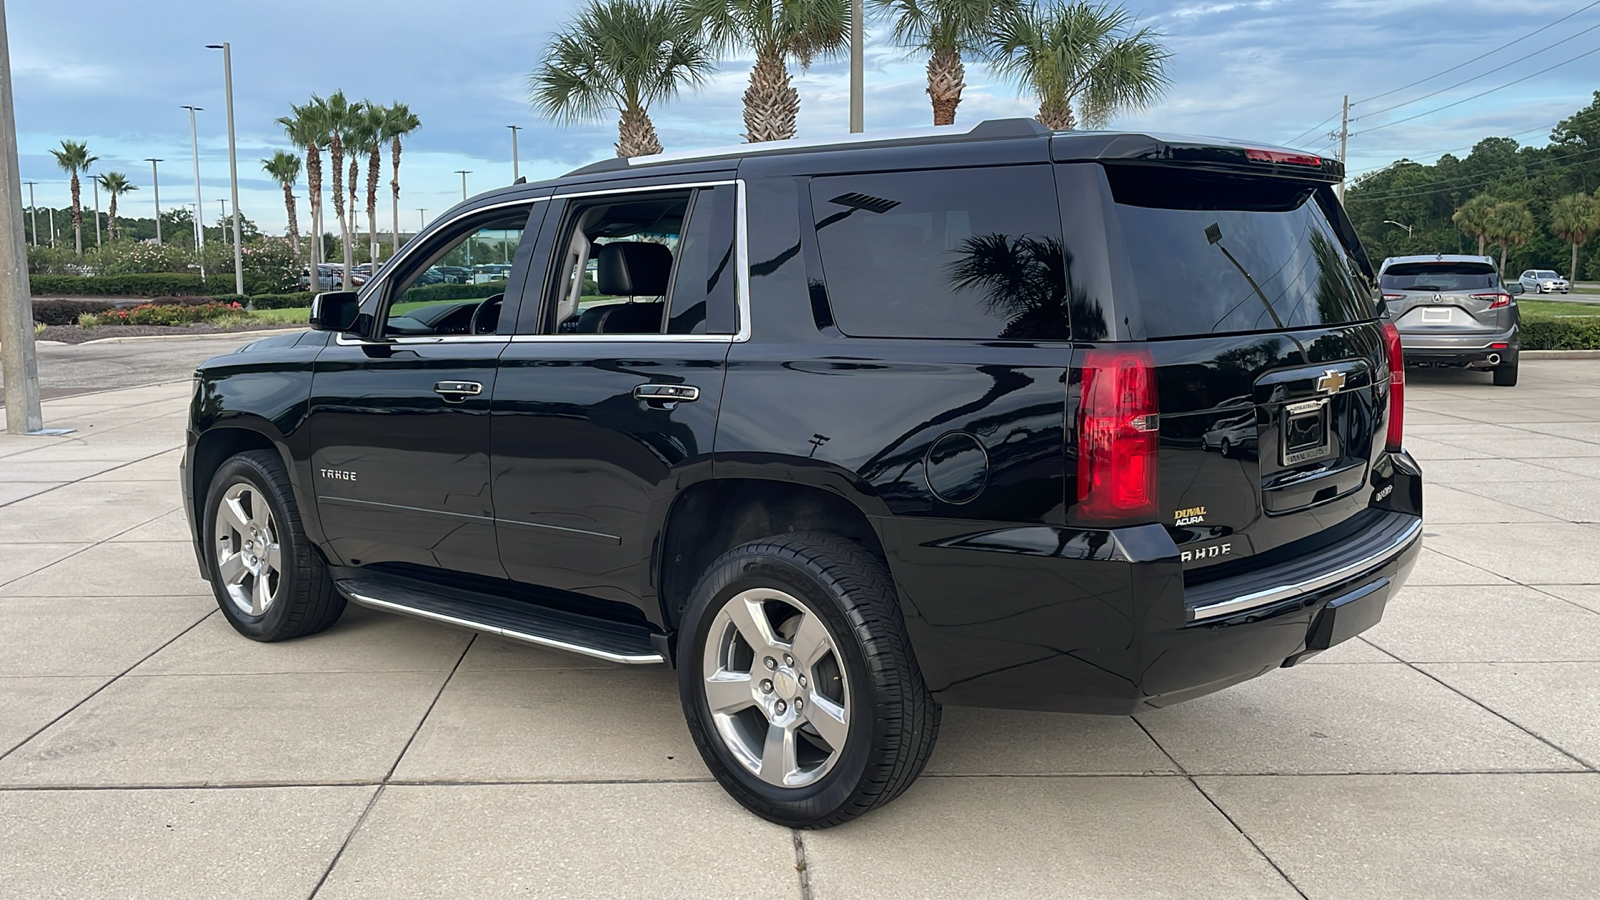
798,682
1227,447
1505,374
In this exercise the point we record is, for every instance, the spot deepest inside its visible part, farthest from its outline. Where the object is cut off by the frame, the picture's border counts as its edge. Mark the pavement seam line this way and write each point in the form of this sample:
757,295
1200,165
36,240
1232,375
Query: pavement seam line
801,868
87,546
98,474
1252,841
373,802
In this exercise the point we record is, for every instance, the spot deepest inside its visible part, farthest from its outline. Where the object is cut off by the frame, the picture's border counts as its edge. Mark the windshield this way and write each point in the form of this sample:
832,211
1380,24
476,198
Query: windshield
1440,276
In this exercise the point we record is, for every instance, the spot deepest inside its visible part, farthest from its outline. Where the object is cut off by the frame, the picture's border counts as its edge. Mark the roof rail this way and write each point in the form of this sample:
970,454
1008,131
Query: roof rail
990,129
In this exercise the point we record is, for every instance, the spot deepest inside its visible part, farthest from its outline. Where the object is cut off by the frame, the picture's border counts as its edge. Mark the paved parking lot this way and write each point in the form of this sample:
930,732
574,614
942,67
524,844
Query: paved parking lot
147,750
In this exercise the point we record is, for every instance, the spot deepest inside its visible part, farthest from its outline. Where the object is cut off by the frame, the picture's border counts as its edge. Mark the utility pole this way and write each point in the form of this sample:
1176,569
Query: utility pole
19,358
155,185
52,212
199,208
1344,139
515,172
94,181
33,212
223,205
233,162
857,85
422,219
463,173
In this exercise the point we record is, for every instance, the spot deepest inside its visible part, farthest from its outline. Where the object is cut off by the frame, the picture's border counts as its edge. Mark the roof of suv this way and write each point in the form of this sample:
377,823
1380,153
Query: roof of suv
1435,257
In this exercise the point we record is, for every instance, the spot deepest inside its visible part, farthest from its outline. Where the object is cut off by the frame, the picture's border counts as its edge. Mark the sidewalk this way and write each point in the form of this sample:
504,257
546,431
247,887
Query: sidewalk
148,750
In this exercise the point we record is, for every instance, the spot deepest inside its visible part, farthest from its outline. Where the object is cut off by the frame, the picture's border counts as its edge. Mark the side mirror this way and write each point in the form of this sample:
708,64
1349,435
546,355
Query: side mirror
1515,288
334,310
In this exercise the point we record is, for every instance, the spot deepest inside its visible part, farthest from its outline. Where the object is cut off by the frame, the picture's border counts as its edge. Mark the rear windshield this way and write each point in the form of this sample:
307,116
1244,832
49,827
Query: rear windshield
1439,276
1215,254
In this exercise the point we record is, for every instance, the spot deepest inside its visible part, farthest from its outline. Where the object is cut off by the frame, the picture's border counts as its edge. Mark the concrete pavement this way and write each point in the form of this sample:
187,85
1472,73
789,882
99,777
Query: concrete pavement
148,750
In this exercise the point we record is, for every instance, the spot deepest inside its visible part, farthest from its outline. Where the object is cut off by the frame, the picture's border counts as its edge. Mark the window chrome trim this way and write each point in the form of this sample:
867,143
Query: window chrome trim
1311,585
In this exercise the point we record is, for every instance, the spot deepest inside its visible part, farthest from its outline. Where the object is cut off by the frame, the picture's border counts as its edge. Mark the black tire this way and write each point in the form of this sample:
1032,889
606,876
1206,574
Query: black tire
1505,375
1227,447
893,720
305,601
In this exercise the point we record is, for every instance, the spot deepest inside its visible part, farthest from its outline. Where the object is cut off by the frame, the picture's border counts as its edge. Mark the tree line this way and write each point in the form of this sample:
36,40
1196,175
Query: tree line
1535,206
1081,61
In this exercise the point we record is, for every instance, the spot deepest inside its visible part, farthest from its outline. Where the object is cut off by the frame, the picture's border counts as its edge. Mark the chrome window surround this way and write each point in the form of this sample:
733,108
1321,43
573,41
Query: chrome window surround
1311,585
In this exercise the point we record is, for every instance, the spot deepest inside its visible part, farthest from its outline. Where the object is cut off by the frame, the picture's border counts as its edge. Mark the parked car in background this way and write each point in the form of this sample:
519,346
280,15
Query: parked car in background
492,272
1453,310
332,278
454,274
1236,435
1544,281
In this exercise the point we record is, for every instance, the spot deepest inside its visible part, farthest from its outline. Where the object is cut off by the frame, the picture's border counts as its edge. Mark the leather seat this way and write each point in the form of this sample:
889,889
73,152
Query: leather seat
629,269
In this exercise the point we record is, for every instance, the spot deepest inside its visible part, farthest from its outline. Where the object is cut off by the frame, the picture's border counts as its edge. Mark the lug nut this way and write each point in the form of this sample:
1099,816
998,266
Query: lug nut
770,663
766,686
802,681
788,660
781,707
799,704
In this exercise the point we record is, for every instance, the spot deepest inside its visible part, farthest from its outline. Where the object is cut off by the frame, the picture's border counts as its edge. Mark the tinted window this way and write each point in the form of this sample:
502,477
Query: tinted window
1440,276
967,253
459,283
705,265
1218,254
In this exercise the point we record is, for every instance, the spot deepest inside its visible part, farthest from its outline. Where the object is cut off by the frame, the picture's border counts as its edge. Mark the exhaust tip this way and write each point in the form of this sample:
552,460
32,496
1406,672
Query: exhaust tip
1494,359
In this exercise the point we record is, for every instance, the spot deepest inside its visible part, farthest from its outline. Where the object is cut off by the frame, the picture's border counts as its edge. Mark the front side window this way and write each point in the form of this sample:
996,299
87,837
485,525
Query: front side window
965,253
457,285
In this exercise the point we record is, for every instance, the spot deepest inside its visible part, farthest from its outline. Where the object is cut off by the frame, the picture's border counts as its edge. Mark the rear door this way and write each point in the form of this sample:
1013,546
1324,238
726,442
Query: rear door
1446,297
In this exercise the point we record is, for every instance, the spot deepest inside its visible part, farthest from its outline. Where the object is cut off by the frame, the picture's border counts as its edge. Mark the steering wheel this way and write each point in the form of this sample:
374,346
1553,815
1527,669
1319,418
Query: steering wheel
486,318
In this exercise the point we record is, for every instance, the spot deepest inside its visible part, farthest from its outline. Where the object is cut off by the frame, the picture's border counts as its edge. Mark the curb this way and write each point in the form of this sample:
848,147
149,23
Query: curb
134,339
1560,354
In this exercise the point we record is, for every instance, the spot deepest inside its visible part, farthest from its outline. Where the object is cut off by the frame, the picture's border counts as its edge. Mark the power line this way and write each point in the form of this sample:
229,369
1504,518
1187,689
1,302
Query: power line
1324,122
1483,93
1479,56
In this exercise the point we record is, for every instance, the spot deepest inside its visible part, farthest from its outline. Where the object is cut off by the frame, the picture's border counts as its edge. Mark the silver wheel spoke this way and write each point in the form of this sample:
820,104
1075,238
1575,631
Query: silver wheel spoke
810,642
274,557
828,718
729,692
231,569
259,595
751,620
262,518
778,755
232,511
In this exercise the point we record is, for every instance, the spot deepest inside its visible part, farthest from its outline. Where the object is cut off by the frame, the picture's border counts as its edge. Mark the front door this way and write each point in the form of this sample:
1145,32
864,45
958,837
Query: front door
607,398
399,417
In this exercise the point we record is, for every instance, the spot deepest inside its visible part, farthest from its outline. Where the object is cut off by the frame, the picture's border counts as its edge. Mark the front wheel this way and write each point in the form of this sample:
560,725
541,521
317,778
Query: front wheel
798,681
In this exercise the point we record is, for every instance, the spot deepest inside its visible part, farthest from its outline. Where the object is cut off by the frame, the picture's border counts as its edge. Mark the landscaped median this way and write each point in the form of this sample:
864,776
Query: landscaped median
1559,325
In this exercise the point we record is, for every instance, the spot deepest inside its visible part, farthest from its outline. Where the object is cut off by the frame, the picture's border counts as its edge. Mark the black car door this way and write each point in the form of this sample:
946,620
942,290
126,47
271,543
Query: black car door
607,397
399,412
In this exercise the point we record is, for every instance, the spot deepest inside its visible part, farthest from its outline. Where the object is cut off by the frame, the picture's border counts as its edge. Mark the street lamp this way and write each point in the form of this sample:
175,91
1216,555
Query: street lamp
52,212
422,219
155,185
199,235
94,181
515,173
1399,225
857,87
233,161
463,173
33,212
223,205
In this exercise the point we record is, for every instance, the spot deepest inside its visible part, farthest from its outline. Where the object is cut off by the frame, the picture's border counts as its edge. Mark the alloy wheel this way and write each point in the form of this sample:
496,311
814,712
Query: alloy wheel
245,540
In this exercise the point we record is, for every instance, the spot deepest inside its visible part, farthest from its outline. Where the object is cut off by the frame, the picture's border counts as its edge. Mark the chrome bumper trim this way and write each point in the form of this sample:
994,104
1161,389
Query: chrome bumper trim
1299,589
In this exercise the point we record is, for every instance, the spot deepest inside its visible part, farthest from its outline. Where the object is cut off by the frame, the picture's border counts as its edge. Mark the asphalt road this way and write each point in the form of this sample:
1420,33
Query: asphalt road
65,370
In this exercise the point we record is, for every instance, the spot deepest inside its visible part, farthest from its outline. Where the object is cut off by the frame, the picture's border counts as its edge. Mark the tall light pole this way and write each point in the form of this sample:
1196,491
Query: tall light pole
52,212
155,185
422,219
19,360
515,172
94,181
223,205
857,24
1398,225
33,212
199,208
463,173
233,162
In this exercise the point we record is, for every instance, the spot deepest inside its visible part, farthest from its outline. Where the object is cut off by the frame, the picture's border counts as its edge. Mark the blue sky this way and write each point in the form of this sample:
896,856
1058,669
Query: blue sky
114,74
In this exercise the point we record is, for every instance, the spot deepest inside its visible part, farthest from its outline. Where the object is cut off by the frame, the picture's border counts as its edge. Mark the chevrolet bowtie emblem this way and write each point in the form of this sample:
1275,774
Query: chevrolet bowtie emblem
1331,382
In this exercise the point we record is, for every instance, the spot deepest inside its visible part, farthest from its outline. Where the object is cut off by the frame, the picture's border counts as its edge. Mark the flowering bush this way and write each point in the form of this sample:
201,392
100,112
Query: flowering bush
133,257
169,314
269,266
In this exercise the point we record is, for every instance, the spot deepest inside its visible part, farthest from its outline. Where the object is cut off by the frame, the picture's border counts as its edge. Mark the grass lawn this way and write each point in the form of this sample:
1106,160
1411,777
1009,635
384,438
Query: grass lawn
1557,308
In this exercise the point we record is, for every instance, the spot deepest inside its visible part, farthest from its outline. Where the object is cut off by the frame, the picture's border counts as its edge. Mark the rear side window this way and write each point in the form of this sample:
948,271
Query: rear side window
1213,254
1440,276
963,253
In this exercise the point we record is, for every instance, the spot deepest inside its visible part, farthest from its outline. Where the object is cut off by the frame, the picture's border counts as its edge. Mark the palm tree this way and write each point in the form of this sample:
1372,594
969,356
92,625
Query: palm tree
777,30
1509,223
945,29
622,55
1078,53
73,157
398,121
114,183
370,137
1575,218
1473,219
340,117
307,129
284,168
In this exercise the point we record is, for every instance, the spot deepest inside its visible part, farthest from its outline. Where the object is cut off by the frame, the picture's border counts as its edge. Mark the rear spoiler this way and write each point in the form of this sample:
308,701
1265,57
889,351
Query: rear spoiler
1215,154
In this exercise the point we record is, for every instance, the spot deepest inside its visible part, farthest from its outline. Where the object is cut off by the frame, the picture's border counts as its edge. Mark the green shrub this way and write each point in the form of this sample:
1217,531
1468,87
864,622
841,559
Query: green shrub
66,312
137,257
170,313
160,284
1561,333
88,320
432,292
240,299
282,301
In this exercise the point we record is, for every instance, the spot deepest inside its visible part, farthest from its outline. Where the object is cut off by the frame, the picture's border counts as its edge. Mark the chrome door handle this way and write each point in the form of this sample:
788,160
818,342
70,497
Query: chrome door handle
456,391
666,396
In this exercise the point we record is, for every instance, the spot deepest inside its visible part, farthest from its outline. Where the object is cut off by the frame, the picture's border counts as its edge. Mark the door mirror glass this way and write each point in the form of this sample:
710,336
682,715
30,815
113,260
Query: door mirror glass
1515,288
334,310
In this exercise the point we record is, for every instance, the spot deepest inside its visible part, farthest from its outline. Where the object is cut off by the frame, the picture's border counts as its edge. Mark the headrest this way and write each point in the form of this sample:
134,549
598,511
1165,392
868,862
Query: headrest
633,269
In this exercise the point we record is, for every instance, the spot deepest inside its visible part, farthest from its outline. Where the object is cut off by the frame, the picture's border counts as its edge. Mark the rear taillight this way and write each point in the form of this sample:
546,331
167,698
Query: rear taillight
1118,435
1497,299
1283,156
1397,387
1394,296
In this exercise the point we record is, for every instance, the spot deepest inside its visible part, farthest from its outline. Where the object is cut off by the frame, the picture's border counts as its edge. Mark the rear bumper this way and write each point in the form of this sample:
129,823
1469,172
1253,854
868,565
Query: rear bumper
1074,620
1473,349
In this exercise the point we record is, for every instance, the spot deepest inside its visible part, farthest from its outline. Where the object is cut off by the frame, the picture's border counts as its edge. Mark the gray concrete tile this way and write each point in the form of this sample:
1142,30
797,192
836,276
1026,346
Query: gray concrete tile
261,843
1585,466
1585,595
1554,700
85,512
1569,499
1063,837
575,725
1529,553
174,526
1434,567
20,559
1442,505
151,569
1424,837
563,841
1012,742
496,654
1579,431
1476,623
12,491
1355,651
361,641
89,635
161,467
1343,719
1529,446
73,449
12,470
1465,473
229,729
29,704
1427,451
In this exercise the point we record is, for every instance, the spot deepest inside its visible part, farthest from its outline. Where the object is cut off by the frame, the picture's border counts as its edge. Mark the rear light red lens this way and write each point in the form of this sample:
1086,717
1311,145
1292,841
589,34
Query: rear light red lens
1394,296
1284,156
1397,387
1496,299
1498,346
1118,435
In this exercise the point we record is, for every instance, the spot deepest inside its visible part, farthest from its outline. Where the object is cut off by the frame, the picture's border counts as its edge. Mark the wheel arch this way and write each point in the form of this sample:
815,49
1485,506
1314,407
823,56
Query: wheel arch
218,444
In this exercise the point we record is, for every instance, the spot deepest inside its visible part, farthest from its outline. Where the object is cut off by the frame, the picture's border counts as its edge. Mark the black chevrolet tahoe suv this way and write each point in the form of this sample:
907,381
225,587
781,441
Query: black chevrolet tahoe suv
999,417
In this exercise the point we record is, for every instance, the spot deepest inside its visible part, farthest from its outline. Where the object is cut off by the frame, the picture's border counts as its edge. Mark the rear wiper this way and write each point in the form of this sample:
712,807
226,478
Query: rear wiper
1214,237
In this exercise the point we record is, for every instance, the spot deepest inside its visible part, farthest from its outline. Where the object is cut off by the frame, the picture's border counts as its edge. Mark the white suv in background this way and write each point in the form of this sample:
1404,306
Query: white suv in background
1543,281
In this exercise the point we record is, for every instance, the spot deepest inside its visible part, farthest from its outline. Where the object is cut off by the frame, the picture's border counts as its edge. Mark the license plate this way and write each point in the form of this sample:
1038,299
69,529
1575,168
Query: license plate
1305,432
1436,315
